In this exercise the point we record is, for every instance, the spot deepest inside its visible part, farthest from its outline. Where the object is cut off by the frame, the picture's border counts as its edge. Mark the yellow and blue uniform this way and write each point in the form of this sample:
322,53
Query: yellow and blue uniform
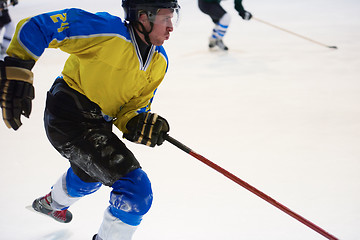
104,81
104,64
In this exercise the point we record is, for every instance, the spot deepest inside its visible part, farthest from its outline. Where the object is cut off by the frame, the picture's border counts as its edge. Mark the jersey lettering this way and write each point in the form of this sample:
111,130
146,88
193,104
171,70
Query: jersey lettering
60,17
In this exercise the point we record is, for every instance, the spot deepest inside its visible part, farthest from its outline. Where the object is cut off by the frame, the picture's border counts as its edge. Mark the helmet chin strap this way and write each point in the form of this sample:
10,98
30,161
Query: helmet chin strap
144,32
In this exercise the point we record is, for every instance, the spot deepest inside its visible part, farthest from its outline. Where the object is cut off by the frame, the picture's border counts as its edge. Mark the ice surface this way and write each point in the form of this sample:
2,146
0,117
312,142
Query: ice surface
280,112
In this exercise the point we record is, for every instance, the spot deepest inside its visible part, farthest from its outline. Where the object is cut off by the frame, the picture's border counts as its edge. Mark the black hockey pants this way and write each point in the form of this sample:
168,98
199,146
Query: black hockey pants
76,128
213,9
4,18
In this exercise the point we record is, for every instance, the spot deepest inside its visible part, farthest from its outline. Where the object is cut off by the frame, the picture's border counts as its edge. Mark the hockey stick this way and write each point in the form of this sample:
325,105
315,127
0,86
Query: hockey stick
250,188
296,34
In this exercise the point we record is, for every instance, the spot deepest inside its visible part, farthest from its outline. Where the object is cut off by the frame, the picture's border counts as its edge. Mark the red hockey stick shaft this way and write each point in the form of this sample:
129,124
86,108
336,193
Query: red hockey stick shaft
250,188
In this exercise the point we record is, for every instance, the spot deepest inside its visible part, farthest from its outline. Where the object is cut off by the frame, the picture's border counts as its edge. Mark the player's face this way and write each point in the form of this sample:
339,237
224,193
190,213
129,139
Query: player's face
163,26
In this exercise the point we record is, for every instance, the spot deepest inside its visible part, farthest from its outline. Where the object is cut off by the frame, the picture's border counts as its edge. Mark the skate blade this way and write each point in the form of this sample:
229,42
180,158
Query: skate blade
32,209
40,213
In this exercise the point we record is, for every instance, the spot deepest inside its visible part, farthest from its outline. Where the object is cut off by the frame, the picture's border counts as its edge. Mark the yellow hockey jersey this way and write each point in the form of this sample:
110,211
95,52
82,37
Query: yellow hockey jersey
104,63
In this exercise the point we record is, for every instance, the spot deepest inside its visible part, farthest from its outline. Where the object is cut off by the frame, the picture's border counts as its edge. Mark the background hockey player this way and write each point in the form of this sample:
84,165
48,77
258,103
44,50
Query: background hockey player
110,77
221,19
5,22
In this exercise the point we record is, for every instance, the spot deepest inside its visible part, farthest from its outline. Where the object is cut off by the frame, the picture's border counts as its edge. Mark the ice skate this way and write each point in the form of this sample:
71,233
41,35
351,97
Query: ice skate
42,205
221,45
213,42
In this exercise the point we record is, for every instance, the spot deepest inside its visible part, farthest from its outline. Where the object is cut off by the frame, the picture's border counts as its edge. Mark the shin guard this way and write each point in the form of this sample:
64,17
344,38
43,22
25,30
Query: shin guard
221,27
131,197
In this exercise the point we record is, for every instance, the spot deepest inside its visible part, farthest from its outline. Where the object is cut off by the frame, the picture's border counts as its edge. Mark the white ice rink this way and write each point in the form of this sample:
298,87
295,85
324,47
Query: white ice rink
278,111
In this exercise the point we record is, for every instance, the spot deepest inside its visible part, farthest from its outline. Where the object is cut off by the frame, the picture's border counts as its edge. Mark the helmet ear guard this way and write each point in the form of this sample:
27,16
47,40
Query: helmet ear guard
150,13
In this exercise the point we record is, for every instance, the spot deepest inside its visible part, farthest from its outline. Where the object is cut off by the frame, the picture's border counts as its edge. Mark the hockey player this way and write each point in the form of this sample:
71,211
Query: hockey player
221,19
5,22
110,77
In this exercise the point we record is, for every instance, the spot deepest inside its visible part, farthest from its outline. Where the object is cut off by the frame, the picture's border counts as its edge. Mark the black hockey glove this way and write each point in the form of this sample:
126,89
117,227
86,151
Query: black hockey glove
245,15
147,128
14,2
16,90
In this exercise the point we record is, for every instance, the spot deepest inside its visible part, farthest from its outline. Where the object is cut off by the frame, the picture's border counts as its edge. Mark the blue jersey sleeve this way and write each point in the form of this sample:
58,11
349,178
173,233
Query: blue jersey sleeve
56,27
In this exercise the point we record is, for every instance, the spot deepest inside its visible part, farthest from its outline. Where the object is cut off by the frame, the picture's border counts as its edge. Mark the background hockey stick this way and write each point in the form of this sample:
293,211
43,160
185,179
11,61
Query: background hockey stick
298,35
250,188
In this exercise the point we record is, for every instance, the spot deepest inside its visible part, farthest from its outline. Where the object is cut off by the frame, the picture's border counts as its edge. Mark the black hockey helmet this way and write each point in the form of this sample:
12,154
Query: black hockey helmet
133,8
